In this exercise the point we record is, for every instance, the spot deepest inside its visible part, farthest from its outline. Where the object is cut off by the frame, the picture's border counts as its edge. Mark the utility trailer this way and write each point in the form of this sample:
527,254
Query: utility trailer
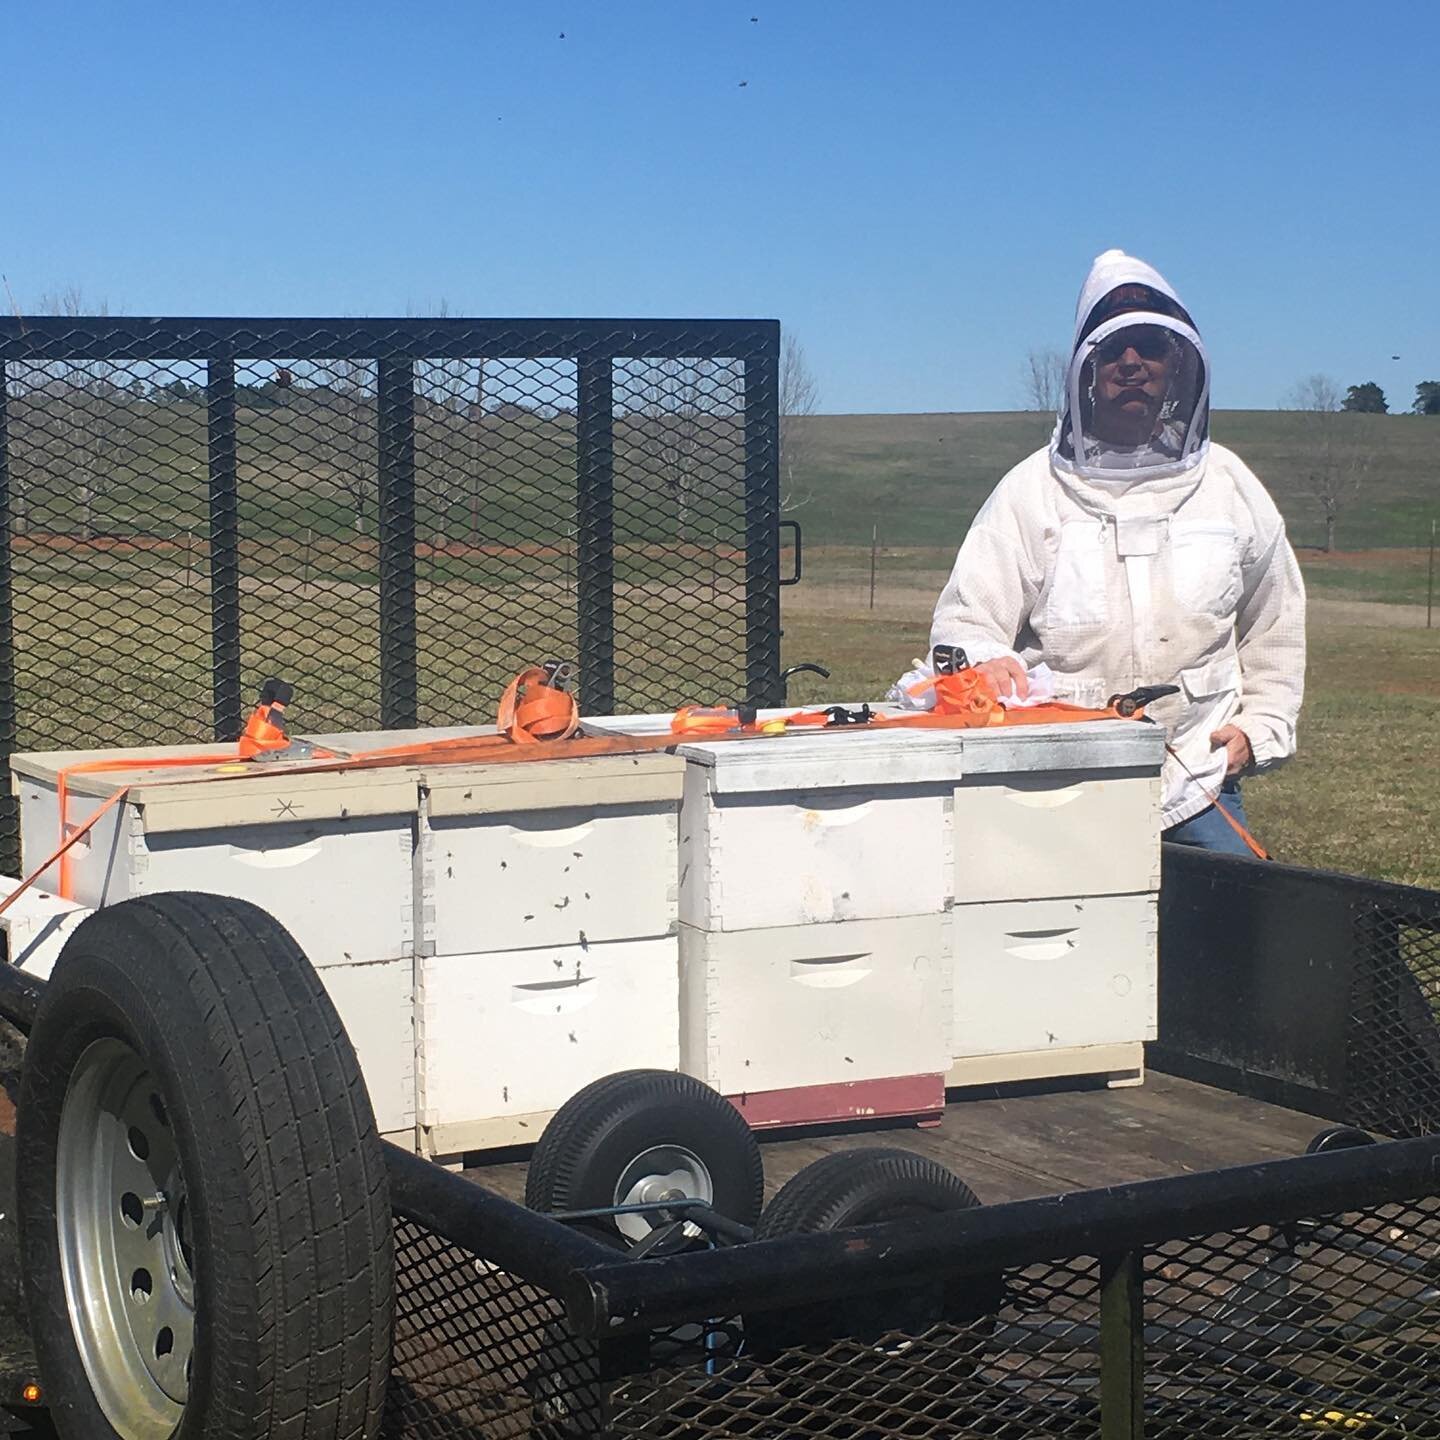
1282,1293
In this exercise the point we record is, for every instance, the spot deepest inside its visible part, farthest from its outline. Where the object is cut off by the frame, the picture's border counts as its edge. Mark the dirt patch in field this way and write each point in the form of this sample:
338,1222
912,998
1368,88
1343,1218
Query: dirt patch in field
1402,559
1378,613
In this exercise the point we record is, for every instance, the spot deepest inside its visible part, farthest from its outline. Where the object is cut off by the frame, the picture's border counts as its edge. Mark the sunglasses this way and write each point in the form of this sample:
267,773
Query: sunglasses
1149,342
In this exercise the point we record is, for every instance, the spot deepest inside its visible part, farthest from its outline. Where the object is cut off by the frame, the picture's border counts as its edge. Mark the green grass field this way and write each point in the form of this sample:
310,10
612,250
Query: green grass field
1363,795
922,477
104,627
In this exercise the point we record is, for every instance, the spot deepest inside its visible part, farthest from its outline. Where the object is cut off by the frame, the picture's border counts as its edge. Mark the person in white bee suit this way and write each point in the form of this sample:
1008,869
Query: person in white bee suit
1132,551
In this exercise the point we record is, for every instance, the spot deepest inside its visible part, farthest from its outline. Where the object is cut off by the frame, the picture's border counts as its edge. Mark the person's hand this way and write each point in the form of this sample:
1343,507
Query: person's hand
1006,675
1236,743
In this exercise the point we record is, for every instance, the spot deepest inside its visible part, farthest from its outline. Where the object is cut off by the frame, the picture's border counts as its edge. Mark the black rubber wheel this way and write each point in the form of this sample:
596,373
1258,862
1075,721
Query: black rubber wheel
868,1187
646,1134
1338,1137
184,1046
862,1187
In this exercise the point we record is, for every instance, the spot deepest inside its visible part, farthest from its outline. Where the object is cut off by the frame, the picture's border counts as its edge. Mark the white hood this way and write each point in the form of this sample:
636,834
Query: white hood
1181,436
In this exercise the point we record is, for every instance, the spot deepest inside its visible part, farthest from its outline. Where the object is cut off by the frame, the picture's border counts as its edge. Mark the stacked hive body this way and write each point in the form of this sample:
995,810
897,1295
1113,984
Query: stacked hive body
868,917
493,937
821,925
815,978
548,947
330,856
1056,874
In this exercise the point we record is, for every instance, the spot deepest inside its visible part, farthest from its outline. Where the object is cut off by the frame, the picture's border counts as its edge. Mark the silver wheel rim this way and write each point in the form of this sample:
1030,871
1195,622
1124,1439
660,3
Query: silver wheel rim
122,1218
663,1172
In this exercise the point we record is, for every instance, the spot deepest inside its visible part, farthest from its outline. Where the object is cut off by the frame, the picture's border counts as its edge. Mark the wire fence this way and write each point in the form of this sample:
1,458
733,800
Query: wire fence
396,516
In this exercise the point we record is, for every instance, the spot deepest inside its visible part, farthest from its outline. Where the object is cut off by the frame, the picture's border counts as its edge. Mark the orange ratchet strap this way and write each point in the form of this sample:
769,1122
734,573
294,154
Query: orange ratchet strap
74,838
1256,848
536,706
264,734
99,767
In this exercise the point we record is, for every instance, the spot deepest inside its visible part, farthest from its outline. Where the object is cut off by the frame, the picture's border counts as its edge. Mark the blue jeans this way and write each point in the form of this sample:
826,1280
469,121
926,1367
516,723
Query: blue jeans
1208,831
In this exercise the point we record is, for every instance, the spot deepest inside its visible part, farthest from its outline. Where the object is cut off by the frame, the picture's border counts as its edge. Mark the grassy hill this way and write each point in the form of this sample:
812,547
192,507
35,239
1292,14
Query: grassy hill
922,477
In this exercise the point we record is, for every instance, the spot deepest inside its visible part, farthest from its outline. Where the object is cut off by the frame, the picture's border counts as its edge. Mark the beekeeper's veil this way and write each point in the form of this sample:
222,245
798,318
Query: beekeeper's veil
1137,395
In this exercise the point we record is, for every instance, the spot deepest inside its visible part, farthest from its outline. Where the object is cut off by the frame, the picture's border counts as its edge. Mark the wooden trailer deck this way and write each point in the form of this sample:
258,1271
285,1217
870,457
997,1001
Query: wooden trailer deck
1025,1142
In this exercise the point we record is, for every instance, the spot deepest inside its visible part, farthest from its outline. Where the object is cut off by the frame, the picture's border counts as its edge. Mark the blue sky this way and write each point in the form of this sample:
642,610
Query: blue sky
915,189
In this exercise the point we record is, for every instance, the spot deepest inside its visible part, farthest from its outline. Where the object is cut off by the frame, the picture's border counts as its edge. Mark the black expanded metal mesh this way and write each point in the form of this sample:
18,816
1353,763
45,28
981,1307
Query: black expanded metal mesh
1318,990
396,516
1325,1325
478,1351
1329,1325
1009,1358
1394,1036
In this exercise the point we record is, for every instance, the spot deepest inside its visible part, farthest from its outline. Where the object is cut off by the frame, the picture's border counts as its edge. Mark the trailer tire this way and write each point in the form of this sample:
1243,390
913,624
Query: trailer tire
862,1187
185,1046
595,1151
867,1187
1338,1137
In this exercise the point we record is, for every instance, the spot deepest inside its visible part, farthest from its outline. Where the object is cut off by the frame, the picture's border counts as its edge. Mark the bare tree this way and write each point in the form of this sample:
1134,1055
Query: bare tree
342,409
1044,375
1337,458
1314,395
452,440
681,402
76,409
799,398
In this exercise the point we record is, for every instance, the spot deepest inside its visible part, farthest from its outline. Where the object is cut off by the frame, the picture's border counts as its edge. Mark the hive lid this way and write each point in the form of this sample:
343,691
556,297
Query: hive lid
596,780
836,758
209,797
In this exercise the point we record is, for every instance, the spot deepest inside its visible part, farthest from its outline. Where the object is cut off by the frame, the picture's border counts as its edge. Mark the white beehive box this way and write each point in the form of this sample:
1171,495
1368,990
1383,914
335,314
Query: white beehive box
1054,974
800,1023
1057,863
329,855
562,852
1040,834
813,829
505,1038
377,1005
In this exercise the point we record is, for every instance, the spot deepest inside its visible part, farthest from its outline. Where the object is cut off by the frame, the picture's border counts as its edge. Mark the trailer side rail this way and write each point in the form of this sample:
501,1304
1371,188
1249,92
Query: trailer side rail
1271,1295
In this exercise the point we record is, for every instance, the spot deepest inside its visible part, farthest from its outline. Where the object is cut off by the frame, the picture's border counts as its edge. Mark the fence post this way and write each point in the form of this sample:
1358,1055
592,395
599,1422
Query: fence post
595,532
762,528
1122,1346
395,422
9,813
1430,586
874,543
224,545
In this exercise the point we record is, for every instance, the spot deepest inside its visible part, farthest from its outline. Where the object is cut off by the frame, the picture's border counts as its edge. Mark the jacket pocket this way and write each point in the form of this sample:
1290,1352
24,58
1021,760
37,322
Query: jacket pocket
1205,567
1075,591
1213,680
